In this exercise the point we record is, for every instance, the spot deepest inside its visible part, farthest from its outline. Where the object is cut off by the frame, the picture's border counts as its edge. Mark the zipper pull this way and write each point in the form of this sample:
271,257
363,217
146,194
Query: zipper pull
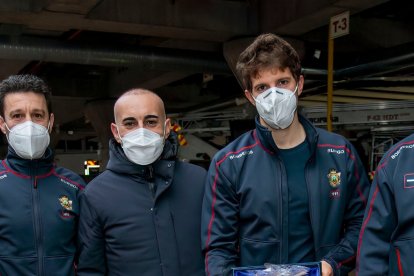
151,186
151,183
151,172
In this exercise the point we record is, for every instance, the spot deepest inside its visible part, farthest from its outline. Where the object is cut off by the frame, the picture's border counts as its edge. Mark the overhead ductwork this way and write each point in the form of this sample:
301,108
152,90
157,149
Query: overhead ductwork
379,67
374,68
161,59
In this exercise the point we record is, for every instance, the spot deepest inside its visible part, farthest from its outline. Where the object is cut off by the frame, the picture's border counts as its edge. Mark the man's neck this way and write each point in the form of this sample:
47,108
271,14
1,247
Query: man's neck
290,137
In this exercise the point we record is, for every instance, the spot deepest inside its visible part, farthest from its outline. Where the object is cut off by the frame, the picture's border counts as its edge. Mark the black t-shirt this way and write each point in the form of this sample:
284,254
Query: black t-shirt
301,245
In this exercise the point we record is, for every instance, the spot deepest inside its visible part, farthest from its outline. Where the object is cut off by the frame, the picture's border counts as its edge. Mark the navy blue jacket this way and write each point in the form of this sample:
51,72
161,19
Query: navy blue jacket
386,242
38,216
245,208
143,220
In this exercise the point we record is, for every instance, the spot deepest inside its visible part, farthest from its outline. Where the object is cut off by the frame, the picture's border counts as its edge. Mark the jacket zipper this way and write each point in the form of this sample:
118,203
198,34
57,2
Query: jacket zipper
310,160
38,231
151,186
151,183
282,166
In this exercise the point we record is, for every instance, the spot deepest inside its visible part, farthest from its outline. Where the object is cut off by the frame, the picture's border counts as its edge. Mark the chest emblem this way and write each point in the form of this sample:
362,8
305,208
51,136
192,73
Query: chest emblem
65,202
334,178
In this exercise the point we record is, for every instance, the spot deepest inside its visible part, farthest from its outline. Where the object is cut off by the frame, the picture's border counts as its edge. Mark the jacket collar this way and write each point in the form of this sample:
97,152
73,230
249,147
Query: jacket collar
119,163
39,166
265,135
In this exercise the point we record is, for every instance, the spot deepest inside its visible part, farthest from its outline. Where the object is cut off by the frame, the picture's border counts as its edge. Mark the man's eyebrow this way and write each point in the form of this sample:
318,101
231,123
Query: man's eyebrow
129,119
39,110
15,111
18,111
151,117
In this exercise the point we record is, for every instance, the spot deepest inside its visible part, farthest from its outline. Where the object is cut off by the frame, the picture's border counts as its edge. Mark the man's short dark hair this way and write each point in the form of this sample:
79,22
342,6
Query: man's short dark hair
267,51
24,83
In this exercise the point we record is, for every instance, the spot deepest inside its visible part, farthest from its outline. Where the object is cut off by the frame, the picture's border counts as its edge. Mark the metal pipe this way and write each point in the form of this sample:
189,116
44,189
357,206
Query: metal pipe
367,69
162,59
375,67
232,102
314,72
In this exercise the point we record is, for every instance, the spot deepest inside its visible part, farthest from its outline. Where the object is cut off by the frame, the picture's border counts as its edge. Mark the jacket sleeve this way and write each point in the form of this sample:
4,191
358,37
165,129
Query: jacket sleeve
342,257
219,223
377,228
92,259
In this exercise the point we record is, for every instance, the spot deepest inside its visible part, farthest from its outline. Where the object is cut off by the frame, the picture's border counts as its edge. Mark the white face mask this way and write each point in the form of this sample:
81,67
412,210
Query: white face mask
142,146
29,140
277,106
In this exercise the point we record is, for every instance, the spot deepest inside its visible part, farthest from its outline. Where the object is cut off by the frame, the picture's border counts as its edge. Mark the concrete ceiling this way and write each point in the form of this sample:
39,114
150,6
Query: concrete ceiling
185,49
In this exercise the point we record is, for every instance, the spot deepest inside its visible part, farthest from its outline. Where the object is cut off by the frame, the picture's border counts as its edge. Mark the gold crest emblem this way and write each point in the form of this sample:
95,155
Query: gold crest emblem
334,178
65,202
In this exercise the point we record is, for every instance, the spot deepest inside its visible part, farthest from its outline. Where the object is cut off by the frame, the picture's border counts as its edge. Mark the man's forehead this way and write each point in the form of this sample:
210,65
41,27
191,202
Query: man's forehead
138,106
280,72
19,100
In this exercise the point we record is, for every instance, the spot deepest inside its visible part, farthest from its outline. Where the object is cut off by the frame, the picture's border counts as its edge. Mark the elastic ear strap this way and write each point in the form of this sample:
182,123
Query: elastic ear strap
117,130
6,126
165,127
7,136
296,88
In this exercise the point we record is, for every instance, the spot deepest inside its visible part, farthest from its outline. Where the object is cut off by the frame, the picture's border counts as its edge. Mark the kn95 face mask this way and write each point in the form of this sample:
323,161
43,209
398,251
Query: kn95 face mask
277,106
142,146
29,140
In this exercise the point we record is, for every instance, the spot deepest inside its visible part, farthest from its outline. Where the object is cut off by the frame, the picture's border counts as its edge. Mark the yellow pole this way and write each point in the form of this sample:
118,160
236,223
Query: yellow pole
330,82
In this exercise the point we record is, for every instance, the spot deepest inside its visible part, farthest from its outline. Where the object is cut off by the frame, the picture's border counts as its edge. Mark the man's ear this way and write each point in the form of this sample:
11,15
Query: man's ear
167,128
249,96
51,121
300,86
3,125
115,133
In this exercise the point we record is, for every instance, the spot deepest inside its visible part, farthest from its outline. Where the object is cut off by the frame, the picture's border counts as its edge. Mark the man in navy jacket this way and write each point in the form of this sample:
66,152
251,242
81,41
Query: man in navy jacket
141,216
38,202
386,242
285,192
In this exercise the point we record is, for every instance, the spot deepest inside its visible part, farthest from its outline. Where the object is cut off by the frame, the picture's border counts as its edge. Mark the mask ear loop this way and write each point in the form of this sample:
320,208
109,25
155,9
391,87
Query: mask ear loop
119,135
7,126
7,134
48,127
296,88
294,92
117,130
163,132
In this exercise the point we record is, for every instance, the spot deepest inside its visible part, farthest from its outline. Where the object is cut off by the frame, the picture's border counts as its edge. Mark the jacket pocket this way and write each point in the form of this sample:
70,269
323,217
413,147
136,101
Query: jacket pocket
400,262
18,266
59,265
255,252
